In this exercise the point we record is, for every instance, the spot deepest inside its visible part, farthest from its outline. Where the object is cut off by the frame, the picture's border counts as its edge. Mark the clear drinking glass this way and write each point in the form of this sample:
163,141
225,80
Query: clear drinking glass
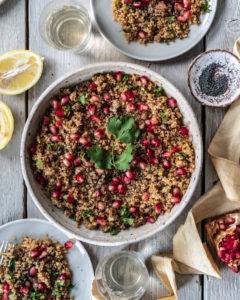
122,276
66,25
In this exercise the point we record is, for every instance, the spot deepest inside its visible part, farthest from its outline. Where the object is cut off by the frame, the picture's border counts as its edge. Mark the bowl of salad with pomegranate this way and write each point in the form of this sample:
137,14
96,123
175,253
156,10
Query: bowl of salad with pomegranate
111,153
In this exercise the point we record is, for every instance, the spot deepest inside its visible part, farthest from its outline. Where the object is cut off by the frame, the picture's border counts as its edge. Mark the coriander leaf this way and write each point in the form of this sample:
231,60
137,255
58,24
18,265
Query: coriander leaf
67,110
101,158
181,154
124,129
82,99
164,116
159,91
125,77
39,164
171,19
126,215
87,213
11,265
122,161
113,230
128,221
206,7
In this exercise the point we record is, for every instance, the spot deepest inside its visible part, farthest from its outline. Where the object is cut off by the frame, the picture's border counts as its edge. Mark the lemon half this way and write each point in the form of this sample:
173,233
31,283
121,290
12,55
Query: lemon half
19,71
6,125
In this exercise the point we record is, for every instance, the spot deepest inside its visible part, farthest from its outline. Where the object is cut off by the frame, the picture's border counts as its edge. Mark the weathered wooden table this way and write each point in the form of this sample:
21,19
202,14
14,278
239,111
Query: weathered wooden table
19,30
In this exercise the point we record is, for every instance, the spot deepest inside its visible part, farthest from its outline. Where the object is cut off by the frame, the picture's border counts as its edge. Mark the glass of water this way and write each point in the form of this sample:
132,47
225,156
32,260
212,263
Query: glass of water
66,25
122,276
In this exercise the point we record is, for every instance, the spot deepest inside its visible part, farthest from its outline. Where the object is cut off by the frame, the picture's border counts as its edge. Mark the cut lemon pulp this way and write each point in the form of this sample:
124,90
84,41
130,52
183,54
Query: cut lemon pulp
6,125
19,71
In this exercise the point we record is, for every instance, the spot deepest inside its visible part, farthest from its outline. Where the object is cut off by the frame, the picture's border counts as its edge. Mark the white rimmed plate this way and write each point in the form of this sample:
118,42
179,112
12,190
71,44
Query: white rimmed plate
112,31
78,258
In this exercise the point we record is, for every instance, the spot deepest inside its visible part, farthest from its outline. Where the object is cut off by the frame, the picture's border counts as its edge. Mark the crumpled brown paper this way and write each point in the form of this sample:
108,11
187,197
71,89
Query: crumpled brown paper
222,198
190,255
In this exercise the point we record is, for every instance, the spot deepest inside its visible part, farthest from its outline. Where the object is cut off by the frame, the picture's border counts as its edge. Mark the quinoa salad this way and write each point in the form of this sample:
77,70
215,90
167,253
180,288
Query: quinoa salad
36,270
113,152
148,21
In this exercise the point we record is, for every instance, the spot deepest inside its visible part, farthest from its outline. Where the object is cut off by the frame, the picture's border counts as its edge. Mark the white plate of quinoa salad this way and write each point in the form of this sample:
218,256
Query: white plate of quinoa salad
154,30
111,153
43,263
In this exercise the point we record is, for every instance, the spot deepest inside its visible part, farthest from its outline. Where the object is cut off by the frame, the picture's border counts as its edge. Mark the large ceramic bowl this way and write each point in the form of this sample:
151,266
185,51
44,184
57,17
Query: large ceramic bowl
55,215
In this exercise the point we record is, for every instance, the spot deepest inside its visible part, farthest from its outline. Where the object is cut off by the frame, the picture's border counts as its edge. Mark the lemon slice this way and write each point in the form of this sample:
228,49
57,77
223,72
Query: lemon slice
6,125
19,71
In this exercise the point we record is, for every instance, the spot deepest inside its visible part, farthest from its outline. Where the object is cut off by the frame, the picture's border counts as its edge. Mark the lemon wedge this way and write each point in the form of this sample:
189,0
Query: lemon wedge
19,71
6,125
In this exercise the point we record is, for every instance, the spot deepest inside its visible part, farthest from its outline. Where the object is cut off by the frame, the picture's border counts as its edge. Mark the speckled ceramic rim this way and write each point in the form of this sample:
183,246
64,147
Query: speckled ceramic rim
190,70
55,215
147,58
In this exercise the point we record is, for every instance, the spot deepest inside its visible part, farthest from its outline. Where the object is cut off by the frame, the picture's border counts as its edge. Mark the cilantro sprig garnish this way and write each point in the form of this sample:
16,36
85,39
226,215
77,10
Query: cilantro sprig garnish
124,129
206,7
125,214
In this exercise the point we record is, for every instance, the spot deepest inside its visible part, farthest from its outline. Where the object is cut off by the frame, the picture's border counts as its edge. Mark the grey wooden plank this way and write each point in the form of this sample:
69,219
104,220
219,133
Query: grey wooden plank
12,28
57,64
220,37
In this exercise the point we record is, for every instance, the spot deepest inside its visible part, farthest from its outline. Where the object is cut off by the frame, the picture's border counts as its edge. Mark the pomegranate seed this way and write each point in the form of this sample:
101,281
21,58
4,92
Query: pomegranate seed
92,86
172,102
46,121
56,194
35,252
69,156
106,97
166,164
118,75
33,149
142,34
127,95
116,180
68,245
176,149
222,226
56,138
55,104
176,192
101,221
80,178
28,284
156,142
128,1
137,4
6,287
41,180
181,171
95,98
158,208
183,131
166,154
77,162
67,163
150,128
142,165
106,110
153,161
42,286
146,1
131,174
142,107
53,129
97,194
185,16
153,121
234,269
24,290
94,119
238,229
101,206
176,199
91,109
178,6
64,276
58,185
33,271
112,187
99,133
133,209
58,123
145,196
70,199
130,107
59,112
150,153
83,141
117,204
150,220
121,189
65,100
75,137
144,80
229,220
186,4
126,180
146,142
